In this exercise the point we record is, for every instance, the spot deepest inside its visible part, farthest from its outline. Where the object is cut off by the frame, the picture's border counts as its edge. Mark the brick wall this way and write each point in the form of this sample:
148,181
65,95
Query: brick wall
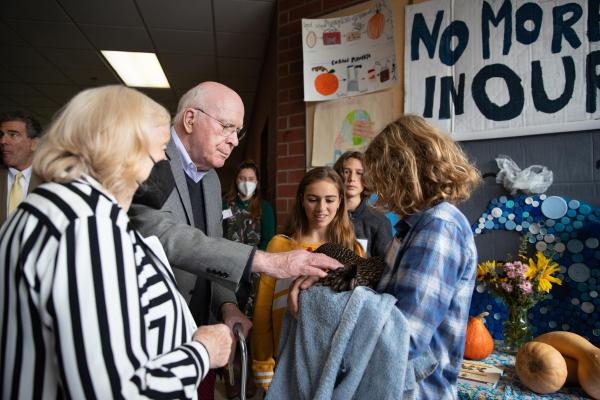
291,130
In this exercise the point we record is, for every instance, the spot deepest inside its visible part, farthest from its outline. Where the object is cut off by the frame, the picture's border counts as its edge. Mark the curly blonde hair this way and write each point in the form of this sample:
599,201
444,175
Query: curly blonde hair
102,132
413,166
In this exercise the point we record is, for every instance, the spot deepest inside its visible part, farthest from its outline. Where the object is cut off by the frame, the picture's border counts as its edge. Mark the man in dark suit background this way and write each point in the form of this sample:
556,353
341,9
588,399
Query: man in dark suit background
19,135
188,219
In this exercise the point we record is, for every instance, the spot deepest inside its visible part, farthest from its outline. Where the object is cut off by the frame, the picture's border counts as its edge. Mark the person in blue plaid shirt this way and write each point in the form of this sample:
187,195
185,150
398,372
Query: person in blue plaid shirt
420,174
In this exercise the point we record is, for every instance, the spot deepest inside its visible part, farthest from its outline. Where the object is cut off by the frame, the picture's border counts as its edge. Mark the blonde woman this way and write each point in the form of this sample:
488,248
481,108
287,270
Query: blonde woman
319,216
90,308
420,174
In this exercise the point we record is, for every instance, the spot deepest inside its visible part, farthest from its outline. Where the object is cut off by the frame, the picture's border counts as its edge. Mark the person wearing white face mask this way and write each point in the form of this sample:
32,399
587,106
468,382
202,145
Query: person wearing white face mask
247,219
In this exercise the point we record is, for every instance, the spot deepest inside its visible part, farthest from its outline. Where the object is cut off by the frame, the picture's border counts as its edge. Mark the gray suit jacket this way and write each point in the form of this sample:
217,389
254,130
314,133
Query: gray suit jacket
191,253
33,183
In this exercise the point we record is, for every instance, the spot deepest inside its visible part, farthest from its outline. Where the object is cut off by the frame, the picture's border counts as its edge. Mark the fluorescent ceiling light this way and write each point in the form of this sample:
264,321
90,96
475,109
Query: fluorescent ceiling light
137,69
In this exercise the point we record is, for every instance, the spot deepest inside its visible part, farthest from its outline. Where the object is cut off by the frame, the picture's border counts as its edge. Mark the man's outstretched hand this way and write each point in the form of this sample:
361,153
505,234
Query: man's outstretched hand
293,263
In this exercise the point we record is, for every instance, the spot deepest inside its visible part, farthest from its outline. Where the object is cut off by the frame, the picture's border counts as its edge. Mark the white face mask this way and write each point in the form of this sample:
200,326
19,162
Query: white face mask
247,188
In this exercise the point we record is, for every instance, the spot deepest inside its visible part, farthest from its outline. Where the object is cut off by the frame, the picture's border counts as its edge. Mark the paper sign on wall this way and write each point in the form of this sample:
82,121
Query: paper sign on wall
350,55
482,69
348,124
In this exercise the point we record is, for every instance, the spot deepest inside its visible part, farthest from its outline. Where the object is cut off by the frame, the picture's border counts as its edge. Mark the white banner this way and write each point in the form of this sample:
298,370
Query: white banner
481,69
350,55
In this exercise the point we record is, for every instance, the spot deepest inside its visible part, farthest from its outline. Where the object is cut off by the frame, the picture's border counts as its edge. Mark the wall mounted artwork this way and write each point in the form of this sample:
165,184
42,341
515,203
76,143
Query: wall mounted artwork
348,123
569,231
482,69
350,55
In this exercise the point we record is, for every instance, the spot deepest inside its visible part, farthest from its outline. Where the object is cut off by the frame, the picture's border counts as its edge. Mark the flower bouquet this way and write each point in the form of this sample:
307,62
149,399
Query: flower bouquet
520,284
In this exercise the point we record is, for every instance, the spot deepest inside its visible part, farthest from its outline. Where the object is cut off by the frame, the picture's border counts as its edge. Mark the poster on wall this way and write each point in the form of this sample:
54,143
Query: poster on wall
482,69
348,124
350,55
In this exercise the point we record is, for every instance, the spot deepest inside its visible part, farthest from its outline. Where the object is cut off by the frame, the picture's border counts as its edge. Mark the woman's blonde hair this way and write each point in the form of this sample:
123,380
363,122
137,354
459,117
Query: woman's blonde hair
340,230
102,132
413,166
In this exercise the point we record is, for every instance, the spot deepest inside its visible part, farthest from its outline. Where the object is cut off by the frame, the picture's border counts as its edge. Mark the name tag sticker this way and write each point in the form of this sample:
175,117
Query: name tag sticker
363,243
227,213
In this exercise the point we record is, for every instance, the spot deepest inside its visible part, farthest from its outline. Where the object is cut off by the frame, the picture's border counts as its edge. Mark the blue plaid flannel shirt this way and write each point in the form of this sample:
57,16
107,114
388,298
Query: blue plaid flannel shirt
431,268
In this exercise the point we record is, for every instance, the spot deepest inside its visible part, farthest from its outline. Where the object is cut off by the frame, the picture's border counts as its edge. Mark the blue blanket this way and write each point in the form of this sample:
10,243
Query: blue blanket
347,345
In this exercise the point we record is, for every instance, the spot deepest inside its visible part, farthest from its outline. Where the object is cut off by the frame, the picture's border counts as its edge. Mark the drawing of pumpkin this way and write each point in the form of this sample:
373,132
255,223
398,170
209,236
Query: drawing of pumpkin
326,83
375,25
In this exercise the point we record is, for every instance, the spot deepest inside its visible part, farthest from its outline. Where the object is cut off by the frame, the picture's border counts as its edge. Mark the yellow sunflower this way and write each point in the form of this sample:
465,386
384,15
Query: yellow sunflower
543,268
484,269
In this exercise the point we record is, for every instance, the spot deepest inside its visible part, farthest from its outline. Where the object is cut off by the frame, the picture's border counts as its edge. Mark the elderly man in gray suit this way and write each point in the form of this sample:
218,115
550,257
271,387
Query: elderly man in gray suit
187,219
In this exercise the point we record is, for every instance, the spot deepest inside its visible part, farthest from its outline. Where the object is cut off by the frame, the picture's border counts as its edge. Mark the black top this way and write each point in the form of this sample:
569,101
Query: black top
372,225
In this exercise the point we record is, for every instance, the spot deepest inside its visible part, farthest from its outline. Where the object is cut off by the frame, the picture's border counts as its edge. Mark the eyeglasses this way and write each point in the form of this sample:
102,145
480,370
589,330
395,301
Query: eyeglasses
228,129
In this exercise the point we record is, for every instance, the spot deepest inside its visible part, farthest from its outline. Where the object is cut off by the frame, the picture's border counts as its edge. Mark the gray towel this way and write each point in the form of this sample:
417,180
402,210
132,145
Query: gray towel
347,345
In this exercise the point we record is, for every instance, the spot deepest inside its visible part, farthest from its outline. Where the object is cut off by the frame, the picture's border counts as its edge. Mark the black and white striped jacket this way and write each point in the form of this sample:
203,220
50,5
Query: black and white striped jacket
87,309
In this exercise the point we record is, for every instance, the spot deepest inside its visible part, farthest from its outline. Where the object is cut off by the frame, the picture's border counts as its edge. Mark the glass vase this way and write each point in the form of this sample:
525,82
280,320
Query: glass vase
516,329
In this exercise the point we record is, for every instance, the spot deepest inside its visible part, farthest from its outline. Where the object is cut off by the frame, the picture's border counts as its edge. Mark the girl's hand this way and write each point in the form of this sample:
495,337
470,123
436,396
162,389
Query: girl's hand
301,283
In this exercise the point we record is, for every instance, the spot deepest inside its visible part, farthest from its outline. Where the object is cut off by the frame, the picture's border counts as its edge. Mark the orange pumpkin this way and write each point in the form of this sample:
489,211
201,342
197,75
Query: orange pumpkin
375,25
541,367
478,342
326,83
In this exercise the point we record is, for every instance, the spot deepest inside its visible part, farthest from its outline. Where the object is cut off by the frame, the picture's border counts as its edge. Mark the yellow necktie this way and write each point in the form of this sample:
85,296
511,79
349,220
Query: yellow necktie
16,193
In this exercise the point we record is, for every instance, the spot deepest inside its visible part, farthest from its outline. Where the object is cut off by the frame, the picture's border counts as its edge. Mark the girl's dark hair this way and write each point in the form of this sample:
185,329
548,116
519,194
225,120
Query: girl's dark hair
255,200
340,230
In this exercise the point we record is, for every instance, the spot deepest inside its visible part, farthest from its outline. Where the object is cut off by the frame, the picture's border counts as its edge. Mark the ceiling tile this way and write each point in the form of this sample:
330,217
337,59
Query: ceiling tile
239,83
184,82
6,101
8,76
18,56
118,38
247,67
88,77
199,65
44,114
183,42
50,34
241,45
8,88
10,108
193,15
41,10
105,12
243,16
34,75
164,97
61,94
33,101
74,58
9,37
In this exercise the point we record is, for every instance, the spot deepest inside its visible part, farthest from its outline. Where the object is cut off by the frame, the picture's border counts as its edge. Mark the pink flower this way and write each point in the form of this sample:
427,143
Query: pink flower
507,287
525,287
520,268
508,267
